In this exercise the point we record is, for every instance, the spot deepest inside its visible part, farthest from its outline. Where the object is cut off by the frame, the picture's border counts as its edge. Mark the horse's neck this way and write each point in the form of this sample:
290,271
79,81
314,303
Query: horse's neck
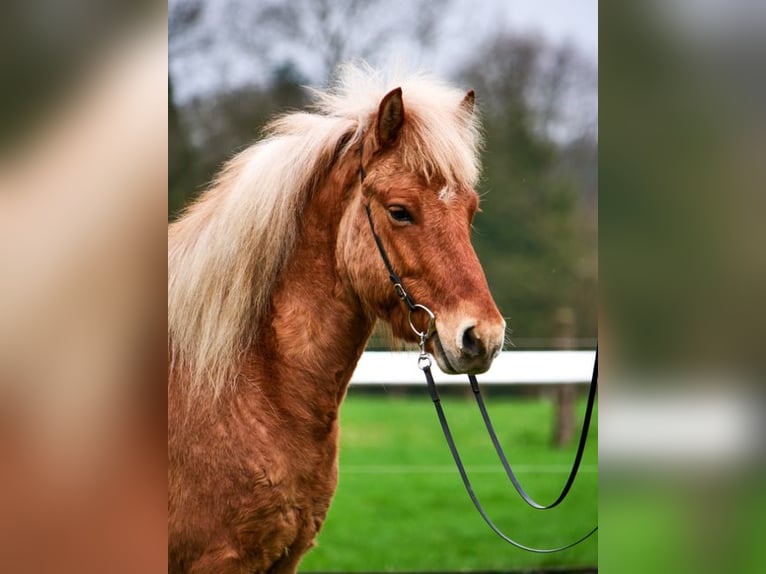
318,328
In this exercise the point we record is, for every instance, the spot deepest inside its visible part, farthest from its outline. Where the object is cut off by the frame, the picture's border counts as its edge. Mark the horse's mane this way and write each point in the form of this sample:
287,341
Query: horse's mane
225,252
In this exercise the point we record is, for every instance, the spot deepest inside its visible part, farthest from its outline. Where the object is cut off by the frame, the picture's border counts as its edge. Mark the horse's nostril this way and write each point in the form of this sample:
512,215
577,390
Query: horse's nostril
472,346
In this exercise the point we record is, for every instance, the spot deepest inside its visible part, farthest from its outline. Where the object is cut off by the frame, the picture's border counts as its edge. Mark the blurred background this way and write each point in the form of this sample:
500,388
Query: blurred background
682,330
83,180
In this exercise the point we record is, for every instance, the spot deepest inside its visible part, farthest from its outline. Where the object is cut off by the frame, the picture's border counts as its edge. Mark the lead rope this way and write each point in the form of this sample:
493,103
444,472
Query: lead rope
580,446
424,363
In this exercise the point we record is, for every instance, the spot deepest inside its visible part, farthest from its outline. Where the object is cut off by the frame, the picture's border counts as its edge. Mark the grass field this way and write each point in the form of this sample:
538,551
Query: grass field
400,504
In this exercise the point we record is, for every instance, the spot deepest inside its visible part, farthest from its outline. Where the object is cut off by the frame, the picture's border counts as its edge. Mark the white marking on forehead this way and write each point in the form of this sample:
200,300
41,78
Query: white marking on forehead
446,194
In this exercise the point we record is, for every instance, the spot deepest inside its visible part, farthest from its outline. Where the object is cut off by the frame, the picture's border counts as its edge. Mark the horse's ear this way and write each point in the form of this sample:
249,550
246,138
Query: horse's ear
466,105
390,118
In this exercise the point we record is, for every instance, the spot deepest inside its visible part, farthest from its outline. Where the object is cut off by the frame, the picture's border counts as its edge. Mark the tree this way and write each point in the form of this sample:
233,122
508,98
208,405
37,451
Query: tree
181,160
318,33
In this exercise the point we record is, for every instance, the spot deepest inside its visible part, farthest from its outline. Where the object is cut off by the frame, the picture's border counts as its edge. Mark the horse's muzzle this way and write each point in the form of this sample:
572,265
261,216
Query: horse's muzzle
468,347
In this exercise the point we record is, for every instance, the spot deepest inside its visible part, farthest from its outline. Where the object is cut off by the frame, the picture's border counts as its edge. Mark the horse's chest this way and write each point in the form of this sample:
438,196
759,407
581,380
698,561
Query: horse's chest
289,496
299,479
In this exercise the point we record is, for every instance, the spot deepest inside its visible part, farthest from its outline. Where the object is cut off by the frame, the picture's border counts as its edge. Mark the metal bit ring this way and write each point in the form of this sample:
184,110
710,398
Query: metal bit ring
431,322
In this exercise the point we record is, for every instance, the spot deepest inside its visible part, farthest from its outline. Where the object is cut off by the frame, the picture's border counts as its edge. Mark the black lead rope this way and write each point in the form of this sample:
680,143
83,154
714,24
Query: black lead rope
580,446
425,365
467,483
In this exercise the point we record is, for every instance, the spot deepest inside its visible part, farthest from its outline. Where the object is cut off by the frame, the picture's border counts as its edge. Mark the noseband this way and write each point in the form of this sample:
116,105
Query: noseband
424,363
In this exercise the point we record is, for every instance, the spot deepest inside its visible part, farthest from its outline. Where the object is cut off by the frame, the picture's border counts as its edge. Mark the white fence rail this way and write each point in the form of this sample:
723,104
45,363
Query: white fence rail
511,367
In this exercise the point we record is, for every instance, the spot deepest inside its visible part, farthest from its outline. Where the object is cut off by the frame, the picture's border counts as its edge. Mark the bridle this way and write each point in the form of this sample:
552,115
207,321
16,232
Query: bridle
424,363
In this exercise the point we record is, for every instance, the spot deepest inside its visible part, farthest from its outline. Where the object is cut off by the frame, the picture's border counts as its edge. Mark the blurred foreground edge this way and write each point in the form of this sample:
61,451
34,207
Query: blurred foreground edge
82,302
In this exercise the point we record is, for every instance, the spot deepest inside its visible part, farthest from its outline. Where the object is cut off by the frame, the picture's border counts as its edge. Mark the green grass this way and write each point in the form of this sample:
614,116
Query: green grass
400,504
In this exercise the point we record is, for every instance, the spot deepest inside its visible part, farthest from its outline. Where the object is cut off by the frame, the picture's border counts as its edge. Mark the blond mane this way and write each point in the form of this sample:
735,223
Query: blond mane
225,252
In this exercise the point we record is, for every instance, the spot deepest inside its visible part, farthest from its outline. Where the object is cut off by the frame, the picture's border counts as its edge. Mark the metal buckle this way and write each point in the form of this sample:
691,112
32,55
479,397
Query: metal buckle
424,360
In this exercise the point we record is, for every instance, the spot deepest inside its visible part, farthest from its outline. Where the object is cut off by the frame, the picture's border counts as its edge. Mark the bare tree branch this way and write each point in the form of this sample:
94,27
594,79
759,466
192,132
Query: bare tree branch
322,29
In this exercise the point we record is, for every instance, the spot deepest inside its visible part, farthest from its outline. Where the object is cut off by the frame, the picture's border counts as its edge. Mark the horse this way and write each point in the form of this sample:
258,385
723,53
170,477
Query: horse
274,286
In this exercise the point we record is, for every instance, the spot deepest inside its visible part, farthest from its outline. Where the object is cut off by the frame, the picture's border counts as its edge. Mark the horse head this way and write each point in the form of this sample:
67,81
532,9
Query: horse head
423,219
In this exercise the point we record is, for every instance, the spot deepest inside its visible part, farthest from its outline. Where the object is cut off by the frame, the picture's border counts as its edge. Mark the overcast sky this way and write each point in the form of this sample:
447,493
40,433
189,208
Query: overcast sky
556,20
219,62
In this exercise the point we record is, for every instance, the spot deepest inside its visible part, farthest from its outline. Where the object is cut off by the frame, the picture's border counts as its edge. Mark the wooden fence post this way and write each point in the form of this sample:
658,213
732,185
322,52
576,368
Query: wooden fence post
566,395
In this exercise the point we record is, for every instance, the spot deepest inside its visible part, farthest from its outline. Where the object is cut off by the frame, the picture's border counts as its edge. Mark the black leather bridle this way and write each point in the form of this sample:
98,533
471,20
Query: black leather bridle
424,363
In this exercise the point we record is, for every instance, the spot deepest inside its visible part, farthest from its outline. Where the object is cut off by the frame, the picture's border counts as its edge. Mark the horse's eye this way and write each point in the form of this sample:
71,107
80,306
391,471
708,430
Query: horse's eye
399,214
